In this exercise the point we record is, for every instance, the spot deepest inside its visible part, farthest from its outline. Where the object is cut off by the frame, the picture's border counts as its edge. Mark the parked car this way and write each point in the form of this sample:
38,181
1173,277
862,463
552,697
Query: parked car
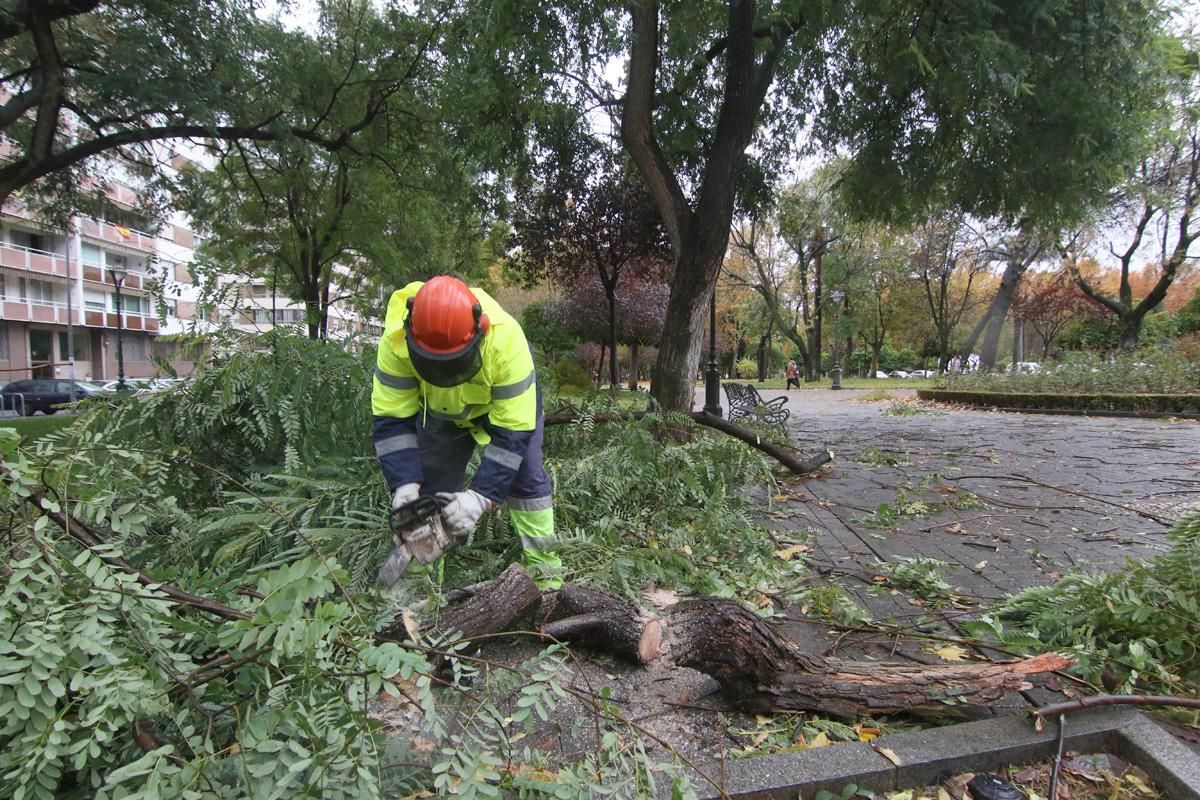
42,394
131,385
880,374
923,373
897,373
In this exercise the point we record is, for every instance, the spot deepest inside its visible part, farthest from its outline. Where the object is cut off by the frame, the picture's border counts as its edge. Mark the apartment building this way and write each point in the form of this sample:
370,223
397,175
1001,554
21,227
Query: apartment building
61,289
258,310
60,315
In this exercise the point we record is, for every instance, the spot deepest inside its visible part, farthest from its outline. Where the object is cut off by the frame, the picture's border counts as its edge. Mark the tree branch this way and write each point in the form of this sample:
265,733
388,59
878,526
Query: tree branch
91,540
637,127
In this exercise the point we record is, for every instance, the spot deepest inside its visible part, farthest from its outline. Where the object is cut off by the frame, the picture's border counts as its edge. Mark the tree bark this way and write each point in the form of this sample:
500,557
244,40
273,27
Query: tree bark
610,293
634,353
759,670
602,622
674,382
495,606
699,231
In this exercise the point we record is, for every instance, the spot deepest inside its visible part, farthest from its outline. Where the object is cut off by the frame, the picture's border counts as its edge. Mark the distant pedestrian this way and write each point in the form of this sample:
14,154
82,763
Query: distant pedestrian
793,375
955,365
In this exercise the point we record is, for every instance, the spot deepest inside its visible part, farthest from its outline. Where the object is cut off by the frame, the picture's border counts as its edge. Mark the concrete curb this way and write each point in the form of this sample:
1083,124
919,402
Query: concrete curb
930,755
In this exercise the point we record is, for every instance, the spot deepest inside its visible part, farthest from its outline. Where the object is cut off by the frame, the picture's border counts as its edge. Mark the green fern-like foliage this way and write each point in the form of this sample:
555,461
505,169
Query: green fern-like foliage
1142,623
277,402
662,501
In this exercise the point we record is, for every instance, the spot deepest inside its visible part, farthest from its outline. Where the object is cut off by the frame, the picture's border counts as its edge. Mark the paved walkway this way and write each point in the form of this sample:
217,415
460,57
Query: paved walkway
1007,501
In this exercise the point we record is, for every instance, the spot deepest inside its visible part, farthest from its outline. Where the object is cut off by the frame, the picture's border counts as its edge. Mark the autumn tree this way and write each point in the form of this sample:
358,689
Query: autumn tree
1155,208
1048,302
578,226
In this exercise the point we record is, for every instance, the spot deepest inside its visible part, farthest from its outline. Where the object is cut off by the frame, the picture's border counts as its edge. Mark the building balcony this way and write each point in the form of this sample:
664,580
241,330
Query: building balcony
93,229
42,262
55,313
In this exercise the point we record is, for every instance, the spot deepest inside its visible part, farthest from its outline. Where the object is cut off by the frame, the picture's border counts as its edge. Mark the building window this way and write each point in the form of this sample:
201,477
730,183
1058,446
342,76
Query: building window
93,300
132,303
4,344
3,294
28,240
164,350
80,342
91,255
135,347
40,293
283,316
258,291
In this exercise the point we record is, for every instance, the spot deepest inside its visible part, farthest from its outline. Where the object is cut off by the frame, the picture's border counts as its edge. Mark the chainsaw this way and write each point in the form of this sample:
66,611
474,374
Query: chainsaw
422,517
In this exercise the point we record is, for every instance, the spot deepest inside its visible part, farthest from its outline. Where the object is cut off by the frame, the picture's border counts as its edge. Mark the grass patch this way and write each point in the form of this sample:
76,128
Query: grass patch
34,428
877,396
877,457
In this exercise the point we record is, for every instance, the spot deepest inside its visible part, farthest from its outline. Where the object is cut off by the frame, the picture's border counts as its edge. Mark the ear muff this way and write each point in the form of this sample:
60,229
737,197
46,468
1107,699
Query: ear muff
482,323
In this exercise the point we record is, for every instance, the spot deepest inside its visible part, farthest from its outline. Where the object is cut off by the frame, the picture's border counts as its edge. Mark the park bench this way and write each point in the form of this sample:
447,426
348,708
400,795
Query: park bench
745,401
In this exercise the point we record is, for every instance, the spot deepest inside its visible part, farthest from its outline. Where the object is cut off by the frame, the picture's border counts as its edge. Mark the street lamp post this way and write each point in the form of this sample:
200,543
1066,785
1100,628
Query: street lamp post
836,296
118,277
712,376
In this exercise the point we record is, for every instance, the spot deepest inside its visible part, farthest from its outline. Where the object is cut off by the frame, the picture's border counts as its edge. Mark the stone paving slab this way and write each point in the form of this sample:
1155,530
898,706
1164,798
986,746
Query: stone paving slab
924,758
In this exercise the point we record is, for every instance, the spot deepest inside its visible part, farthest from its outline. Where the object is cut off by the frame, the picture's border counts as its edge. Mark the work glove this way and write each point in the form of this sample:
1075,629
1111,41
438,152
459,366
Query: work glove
405,494
463,511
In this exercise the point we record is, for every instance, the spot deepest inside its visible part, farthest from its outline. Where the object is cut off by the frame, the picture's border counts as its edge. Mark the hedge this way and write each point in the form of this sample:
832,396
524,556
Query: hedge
1171,404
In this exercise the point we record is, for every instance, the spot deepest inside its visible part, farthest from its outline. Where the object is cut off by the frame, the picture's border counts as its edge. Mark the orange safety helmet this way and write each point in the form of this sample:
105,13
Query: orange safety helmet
444,328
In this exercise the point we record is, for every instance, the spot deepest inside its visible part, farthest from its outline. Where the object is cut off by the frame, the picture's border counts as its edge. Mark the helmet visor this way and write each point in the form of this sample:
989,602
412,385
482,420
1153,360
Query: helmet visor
445,369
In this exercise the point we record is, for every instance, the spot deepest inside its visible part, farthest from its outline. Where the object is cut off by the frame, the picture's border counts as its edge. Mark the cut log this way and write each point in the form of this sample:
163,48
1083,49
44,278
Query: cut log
600,621
495,606
759,670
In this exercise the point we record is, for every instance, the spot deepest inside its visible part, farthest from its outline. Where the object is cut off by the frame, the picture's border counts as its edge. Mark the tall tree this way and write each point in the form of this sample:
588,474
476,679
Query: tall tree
1049,301
326,227
1155,207
948,260
1018,252
597,226
759,261
976,106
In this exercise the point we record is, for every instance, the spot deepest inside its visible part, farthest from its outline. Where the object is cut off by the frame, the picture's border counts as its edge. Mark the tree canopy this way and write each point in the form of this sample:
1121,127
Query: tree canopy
1026,111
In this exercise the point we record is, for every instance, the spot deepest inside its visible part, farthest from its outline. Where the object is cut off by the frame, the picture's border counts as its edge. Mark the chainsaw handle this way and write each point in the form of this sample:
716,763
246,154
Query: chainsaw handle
417,512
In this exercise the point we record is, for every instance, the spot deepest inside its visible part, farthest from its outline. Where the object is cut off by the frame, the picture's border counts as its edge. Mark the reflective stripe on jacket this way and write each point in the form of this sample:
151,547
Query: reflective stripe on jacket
498,405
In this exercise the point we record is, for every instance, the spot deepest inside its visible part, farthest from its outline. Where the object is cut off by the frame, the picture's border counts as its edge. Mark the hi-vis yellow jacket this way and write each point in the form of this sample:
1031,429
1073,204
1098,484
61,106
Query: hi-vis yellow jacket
498,405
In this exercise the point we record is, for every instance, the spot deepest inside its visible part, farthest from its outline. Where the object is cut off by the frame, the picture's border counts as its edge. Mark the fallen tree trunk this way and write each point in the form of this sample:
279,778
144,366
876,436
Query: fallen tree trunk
757,668
495,606
601,621
761,671
799,466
